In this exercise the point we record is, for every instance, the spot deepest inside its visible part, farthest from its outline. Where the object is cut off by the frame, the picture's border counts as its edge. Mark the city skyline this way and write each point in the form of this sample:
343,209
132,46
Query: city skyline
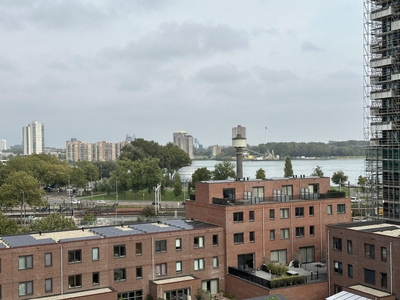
149,69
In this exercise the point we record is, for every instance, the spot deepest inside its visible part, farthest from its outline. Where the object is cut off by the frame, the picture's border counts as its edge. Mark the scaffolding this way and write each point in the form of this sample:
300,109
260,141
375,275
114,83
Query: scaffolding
381,94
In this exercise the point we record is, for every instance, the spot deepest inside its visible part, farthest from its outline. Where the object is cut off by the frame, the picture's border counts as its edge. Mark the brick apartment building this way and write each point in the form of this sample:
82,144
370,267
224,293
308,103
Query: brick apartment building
280,220
240,224
166,259
364,259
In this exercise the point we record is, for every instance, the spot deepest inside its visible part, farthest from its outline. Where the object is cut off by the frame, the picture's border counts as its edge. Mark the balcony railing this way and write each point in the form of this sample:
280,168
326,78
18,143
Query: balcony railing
246,200
277,282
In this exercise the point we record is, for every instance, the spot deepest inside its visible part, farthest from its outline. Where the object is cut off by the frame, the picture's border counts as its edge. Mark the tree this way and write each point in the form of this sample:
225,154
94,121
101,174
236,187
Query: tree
288,169
260,174
201,174
7,225
177,185
339,177
318,172
52,222
88,219
223,170
148,211
90,169
362,182
21,189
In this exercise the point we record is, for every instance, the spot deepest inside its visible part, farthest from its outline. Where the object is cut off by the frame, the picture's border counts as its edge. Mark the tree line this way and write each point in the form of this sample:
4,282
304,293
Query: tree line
293,149
141,166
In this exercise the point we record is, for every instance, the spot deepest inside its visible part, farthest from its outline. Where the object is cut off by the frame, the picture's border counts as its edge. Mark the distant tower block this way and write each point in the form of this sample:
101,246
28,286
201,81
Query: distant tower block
239,143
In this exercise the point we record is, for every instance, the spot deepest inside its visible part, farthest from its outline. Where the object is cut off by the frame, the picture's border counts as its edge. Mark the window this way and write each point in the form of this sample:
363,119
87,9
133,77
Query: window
25,288
95,254
369,276
48,285
299,211
383,254
133,295
311,211
161,246
329,207
299,231
25,262
161,269
337,243
384,280
238,217
288,191
284,213
199,264
178,267
369,250
228,193
119,251
312,230
272,214
215,262
119,275
178,244
74,281
74,256
272,234
341,208
251,215
198,242
48,259
252,236
350,271
349,246
215,240
238,238
284,233
337,267
95,278
139,272
138,248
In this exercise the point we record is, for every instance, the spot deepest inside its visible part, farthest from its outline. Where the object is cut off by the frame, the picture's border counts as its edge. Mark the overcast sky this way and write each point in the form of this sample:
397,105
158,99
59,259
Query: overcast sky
98,70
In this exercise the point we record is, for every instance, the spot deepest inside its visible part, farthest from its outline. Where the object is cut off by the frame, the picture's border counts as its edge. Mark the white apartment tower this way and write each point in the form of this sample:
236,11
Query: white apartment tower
33,138
3,145
184,141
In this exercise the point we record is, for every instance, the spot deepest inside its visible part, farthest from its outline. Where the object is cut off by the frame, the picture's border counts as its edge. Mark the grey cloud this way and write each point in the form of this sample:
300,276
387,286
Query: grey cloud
270,31
174,40
275,76
308,46
56,14
57,65
227,73
6,65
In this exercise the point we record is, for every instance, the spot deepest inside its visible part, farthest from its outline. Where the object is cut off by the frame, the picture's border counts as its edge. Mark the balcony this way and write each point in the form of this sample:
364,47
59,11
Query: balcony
249,200
382,13
308,273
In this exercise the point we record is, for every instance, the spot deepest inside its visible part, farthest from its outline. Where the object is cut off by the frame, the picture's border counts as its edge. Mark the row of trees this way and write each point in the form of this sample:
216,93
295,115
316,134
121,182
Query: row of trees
293,149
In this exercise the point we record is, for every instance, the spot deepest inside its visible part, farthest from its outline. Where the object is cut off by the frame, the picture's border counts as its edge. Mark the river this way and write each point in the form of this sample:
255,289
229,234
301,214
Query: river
352,167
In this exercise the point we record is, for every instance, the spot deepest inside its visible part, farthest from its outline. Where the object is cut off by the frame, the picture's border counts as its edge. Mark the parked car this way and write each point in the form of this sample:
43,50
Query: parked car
76,201
355,200
100,202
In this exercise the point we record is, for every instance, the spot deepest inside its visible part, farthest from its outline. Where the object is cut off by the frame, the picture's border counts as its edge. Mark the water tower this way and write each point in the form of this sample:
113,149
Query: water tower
239,143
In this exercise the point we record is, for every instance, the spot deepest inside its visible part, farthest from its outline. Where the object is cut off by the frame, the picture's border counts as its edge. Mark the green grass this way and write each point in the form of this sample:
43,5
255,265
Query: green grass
140,196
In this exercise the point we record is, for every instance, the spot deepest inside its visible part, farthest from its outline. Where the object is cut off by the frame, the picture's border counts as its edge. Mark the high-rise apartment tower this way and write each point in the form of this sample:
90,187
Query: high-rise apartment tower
33,138
382,105
184,141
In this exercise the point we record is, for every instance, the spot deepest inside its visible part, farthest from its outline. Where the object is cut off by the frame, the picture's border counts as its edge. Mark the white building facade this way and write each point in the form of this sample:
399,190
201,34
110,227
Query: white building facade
33,138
